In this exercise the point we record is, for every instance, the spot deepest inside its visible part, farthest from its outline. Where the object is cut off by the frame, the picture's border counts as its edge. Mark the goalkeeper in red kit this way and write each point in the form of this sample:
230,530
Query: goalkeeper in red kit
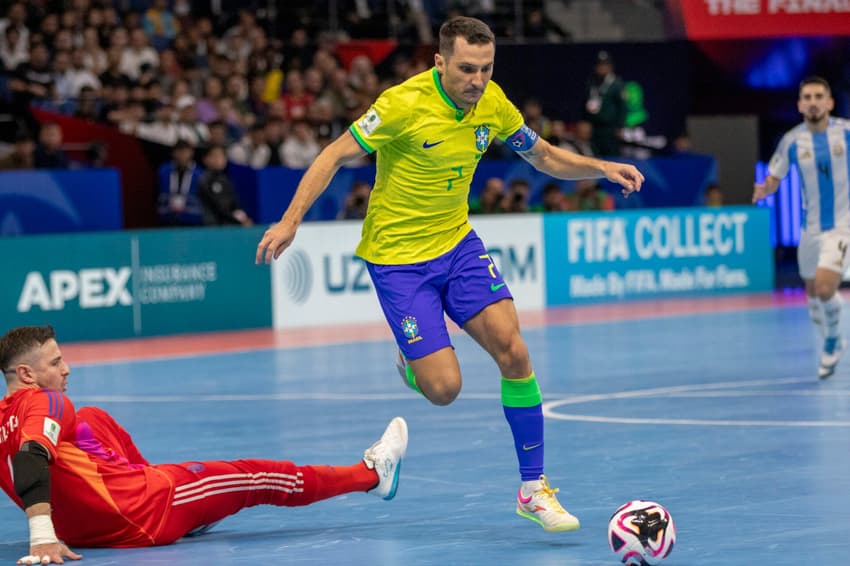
82,481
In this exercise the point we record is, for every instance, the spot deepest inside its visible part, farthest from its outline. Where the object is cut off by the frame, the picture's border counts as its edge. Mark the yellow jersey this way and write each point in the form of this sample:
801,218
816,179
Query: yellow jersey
428,149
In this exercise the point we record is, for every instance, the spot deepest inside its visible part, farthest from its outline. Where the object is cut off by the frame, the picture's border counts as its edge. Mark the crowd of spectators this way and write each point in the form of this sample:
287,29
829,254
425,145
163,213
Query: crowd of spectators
212,74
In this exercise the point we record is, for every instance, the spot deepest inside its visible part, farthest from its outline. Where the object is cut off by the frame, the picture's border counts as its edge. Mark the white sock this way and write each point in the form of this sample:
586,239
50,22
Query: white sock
816,314
832,315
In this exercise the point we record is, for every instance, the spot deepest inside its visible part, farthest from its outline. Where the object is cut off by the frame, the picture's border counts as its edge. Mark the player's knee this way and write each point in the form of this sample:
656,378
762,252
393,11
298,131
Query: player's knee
824,290
512,357
443,392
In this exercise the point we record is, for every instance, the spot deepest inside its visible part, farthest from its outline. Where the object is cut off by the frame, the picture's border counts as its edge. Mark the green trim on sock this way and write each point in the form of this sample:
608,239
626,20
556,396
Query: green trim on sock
521,392
411,379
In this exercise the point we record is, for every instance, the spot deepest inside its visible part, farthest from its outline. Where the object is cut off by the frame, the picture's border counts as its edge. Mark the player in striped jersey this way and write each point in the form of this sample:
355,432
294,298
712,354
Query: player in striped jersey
82,481
818,147
423,256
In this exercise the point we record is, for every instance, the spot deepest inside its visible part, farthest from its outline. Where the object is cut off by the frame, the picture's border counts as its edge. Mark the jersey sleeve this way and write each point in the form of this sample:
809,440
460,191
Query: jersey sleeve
514,131
384,120
780,162
47,418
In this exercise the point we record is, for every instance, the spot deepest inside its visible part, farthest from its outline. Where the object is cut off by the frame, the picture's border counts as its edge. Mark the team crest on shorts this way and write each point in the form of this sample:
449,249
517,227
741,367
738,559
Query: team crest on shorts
482,137
411,329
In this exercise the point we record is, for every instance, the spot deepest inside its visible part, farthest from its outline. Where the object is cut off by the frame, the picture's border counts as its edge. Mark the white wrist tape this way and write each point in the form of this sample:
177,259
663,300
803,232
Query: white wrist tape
41,530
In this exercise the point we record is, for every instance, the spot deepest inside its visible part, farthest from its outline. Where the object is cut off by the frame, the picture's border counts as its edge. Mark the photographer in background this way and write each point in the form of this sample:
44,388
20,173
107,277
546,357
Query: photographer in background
516,199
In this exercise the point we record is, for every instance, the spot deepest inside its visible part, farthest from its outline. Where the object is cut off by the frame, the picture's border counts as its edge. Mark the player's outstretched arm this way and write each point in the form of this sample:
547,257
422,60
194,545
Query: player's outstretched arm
313,183
563,164
761,190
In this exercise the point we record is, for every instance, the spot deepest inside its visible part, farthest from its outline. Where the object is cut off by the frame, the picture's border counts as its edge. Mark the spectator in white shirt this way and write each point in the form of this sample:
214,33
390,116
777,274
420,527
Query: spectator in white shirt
137,54
11,55
16,18
300,147
251,150
80,75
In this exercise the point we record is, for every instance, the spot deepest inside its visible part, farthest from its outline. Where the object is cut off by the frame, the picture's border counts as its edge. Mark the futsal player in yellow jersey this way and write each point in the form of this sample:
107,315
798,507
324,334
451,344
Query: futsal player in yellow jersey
423,255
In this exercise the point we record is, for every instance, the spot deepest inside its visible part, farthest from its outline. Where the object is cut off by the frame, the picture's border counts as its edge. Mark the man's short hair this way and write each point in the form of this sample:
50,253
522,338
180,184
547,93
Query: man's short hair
815,80
18,341
473,30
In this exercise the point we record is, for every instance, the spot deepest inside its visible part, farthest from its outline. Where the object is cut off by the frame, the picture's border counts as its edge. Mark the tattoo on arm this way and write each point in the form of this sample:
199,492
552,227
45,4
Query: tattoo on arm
531,155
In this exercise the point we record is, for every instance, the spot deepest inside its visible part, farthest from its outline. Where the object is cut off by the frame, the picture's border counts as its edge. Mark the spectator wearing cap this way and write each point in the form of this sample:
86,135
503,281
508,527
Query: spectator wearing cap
605,106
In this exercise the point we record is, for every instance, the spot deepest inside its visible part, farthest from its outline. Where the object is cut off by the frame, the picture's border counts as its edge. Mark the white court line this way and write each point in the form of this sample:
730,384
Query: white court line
719,389
549,408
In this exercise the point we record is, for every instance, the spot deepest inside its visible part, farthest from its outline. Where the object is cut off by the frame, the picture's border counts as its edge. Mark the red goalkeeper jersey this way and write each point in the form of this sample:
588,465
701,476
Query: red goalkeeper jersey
103,492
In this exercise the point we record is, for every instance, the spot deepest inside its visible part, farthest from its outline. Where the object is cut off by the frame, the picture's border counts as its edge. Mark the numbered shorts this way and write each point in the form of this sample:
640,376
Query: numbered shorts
459,283
826,250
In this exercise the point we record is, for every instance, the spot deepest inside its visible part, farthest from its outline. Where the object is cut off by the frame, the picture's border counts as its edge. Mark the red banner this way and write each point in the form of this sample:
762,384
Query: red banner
738,19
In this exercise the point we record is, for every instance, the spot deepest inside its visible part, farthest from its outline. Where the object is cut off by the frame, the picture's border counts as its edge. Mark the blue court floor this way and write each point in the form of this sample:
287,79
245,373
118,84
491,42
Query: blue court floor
718,417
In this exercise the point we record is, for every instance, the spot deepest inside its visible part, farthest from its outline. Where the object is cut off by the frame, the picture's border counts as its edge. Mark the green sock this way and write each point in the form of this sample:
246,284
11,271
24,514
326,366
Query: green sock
411,379
522,404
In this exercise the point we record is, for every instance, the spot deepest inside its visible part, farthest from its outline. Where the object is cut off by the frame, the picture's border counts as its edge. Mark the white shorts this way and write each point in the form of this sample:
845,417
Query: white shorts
826,250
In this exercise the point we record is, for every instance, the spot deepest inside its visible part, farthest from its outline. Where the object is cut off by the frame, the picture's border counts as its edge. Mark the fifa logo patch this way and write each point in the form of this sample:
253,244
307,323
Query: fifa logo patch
51,430
482,137
411,329
369,122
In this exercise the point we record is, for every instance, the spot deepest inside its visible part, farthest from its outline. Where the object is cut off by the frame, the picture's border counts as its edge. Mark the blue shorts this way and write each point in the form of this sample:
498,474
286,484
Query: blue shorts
459,283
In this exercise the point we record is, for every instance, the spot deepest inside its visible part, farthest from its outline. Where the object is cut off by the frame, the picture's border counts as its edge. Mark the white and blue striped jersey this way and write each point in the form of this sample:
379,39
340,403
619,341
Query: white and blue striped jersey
824,166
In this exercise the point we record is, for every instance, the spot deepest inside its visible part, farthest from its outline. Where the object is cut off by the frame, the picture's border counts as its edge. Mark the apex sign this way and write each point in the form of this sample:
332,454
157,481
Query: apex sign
92,288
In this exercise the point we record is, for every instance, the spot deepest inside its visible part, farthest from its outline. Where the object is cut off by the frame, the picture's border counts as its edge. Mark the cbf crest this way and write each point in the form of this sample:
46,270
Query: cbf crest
482,137
411,329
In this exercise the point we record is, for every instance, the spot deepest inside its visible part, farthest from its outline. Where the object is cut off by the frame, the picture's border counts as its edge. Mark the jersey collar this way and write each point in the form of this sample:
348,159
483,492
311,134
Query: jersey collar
459,112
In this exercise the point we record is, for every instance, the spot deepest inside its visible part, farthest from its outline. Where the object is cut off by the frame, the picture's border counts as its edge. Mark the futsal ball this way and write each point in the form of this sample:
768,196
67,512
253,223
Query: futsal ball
641,533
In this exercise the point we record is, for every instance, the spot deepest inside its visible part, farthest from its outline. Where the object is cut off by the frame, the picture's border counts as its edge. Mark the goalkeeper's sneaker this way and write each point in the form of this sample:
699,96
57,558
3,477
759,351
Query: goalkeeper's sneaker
543,508
385,458
832,350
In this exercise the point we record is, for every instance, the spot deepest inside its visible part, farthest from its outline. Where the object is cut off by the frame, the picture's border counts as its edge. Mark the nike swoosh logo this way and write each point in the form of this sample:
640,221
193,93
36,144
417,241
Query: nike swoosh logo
494,287
427,145
527,447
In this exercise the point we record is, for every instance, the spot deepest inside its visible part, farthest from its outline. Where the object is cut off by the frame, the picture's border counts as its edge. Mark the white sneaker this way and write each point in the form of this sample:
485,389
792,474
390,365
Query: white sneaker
543,508
832,350
385,458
